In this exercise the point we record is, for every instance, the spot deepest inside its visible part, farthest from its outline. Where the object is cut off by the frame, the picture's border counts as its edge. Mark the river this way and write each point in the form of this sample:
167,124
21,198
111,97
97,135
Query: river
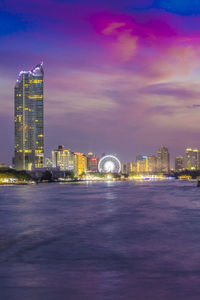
104,240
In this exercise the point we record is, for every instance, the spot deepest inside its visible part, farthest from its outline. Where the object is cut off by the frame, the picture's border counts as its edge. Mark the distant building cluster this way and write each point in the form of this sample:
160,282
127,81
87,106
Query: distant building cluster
190,162
66,160
149,164
79,163
160,163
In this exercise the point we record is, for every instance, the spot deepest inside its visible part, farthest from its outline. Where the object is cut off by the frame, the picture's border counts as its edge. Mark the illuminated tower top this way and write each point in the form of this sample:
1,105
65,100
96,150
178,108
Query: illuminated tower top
38,71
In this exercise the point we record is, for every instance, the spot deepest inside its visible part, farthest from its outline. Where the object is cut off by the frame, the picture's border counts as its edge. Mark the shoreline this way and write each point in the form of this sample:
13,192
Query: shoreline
90,181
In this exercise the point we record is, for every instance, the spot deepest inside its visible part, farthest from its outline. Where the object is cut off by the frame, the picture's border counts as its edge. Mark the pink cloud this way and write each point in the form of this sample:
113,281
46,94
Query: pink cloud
107,71
112,28
154,47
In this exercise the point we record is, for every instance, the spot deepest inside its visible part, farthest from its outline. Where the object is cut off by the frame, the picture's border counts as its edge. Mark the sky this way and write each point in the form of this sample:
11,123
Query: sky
121,76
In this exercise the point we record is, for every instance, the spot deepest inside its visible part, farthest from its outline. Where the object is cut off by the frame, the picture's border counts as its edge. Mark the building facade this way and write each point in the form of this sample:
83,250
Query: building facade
163,160
151,164
92,162
124,168
63,159
131,167
179,163
146,164
192,159
29,120
81,163
142,164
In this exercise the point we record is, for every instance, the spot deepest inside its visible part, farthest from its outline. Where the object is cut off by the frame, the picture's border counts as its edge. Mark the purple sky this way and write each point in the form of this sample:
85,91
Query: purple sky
121,77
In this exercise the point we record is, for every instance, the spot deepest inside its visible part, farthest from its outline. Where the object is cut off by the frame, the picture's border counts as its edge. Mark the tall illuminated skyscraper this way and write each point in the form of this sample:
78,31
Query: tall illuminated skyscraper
29,124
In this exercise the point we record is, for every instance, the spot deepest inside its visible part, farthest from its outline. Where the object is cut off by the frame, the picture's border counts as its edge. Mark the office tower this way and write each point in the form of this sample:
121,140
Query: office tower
163,164
179,163
81,163
192,159
63,159
146,164
92,162
29,126
151,164
131,167
142,163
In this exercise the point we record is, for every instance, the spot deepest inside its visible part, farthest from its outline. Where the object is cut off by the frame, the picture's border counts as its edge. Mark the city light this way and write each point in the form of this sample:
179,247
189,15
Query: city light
109,164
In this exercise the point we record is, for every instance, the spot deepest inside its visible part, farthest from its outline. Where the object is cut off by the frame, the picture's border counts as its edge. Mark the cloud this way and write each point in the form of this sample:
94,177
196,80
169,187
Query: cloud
112,28
195,106
178,90
116,72
123,43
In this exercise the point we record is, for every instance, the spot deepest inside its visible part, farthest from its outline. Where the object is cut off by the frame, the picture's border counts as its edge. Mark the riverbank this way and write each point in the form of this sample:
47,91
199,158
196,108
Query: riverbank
15,183
82,180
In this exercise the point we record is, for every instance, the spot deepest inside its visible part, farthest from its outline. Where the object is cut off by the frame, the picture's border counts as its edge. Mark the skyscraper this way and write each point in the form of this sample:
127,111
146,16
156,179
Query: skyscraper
29,126
131,167
192,159
179,164
152,164
163,160
141,161
146,164
124,168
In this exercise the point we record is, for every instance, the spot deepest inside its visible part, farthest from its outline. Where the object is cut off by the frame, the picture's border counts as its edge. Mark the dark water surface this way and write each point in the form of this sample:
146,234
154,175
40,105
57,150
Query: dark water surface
117,240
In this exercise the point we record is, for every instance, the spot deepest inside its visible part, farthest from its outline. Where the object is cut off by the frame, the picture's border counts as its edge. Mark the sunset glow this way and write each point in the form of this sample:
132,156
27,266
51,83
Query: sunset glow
116,74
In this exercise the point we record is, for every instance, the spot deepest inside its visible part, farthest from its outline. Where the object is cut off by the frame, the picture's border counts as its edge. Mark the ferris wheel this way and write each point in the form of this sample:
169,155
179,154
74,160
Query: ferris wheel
109,164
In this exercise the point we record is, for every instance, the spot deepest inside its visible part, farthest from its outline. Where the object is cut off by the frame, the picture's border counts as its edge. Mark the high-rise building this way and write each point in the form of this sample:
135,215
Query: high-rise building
64,159
142,163
163,162
146,164
29,126
151,164
81,163
192,159
131,167
179,163
92,162
123,168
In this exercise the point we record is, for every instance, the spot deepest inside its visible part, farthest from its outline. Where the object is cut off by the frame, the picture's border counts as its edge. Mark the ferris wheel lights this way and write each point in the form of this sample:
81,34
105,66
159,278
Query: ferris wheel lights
109,164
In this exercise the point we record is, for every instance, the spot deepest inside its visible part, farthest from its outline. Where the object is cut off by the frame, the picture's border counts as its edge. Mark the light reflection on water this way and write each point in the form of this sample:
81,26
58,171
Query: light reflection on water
114,240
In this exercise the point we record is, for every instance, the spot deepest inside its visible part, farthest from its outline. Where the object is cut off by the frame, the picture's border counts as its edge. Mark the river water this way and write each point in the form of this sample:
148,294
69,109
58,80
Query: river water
96,241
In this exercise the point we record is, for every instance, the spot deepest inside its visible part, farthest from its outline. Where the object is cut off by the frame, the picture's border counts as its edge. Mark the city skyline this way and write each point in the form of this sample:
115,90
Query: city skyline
115,82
